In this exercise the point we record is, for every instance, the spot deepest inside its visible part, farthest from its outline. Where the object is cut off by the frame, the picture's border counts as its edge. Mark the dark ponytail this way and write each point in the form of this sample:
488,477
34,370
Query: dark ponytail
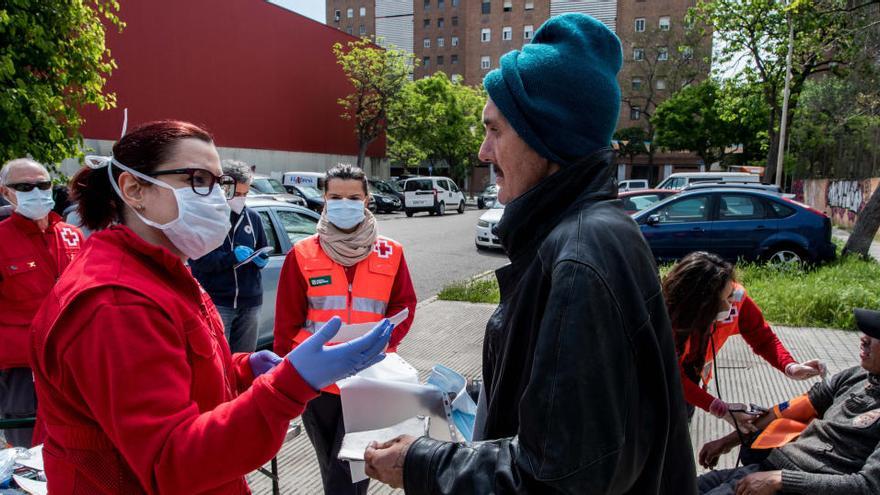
143,149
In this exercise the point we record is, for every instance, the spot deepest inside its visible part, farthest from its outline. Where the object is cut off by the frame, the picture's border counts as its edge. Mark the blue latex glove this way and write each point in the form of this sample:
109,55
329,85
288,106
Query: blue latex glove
242,252
263,361
321,366
261,260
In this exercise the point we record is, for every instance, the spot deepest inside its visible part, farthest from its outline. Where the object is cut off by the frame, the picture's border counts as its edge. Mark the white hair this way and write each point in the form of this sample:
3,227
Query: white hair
238,170
19,162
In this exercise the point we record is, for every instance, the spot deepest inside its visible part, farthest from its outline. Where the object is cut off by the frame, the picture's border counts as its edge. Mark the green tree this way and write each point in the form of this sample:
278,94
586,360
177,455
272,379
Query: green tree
53,62
829,37
442,119
377,75
631,142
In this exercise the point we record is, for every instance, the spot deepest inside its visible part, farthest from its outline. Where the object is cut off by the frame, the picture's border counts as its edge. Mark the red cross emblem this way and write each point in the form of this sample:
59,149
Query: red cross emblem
383,249
69,237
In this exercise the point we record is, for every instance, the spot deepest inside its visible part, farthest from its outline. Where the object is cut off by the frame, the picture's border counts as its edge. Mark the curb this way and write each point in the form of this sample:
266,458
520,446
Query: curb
435,297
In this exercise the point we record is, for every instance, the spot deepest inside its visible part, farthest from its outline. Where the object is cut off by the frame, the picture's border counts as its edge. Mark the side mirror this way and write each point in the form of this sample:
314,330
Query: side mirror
653,220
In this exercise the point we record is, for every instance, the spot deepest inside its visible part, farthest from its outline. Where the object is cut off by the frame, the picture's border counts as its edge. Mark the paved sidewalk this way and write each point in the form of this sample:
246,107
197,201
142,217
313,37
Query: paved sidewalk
452,333
843,235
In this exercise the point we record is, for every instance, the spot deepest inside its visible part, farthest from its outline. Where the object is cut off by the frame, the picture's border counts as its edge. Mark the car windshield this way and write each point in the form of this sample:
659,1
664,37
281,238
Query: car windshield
310,192
268,186
493,189
642,202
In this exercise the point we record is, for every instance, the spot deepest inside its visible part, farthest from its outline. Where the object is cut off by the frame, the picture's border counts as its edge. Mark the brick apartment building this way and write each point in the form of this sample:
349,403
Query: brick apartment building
466,38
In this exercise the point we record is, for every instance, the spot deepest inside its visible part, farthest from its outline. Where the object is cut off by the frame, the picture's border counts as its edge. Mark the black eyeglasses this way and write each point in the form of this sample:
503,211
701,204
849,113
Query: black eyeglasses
202,181
29,186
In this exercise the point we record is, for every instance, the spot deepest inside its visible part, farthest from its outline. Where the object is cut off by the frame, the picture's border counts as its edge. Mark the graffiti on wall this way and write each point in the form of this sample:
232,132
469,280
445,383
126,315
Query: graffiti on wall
846,197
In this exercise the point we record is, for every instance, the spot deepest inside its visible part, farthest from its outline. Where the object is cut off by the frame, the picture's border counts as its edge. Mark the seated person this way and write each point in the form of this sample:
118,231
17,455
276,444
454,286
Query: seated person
838,452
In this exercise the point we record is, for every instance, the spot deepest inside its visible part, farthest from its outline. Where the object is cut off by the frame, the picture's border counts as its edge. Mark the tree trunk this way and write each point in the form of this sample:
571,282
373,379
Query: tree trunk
865,229
772,153
362,154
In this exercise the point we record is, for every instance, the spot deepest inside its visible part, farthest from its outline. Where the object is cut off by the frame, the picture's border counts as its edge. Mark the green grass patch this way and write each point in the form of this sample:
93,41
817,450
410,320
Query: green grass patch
822,296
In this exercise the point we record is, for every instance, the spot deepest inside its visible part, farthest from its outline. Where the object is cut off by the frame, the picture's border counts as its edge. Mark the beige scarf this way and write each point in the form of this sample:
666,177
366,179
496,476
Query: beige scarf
347,249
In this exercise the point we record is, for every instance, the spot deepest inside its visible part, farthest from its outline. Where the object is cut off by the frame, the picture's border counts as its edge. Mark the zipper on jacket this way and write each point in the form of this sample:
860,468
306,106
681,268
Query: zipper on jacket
350,302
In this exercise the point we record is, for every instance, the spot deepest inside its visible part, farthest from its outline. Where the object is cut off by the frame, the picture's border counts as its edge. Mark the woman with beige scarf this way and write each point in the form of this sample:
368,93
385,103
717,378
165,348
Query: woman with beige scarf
344,270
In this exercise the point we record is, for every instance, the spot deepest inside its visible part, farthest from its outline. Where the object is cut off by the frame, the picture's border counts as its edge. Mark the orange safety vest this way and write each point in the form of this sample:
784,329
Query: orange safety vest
723,330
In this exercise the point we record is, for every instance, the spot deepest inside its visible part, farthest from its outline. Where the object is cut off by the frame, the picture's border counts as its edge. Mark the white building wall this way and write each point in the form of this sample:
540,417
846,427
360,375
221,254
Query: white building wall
603,10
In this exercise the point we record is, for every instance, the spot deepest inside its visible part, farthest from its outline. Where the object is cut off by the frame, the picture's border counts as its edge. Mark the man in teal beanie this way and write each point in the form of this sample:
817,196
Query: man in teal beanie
581,385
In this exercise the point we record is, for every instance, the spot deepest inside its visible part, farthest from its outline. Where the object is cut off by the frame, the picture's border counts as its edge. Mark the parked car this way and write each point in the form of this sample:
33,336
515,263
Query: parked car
313,197
639,199
485,238
681,180
388,188
736,223
385,203
748,185
431,194
632,184
285,224
269,188
488,197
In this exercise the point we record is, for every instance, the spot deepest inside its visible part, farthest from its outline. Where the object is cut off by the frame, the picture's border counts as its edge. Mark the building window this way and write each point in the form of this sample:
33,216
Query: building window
485,63
426,42
441,4
663,53
507,33
487,7
440,60
528,31
426,62
441,23
455,3
363,12
426,23
455,21
636,84
453,59
349,13
661,84
485,35
635,113
664,23
687,52
455,41
508,5
638,54
441,42
337,15
640,25
456,78
530,5
362,30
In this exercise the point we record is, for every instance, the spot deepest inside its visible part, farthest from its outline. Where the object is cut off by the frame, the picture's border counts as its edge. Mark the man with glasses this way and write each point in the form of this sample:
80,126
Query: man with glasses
36,247
229,273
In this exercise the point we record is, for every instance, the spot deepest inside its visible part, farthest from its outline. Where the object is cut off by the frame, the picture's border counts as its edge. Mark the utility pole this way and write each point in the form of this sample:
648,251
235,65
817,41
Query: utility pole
783,126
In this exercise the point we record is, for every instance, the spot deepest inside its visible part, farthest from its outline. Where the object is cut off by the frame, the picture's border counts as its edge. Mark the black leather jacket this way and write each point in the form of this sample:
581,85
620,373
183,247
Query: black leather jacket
579,365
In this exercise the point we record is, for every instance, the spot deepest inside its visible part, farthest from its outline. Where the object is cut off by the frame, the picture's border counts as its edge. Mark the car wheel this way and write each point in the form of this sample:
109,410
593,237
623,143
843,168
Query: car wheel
461,208
409,213
785,255
480,204
441,209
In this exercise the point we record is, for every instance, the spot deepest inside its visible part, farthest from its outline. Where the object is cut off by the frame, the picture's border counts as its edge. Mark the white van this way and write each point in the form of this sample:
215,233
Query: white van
631,185
310,179
431,194
681,180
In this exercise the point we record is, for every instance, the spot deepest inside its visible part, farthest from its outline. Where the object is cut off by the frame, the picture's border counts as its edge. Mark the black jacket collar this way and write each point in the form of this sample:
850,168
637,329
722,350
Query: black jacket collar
528,219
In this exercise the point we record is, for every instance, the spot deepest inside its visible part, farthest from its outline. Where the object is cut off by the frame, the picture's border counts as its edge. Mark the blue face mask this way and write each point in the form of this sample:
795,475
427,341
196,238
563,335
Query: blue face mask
345,213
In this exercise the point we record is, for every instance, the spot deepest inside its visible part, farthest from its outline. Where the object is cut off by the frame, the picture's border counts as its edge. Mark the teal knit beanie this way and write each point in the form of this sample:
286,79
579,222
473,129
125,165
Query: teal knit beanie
560,92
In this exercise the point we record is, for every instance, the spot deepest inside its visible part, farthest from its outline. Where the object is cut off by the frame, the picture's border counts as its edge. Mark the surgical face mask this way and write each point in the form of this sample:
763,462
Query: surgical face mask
202,221
237,204
345,213
34,204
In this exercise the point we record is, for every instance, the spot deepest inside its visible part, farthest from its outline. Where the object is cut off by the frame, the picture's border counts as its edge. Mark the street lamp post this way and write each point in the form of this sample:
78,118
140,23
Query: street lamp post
783,126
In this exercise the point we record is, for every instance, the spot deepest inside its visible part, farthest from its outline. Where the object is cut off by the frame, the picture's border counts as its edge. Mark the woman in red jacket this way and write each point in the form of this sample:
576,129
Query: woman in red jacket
136,385
707,306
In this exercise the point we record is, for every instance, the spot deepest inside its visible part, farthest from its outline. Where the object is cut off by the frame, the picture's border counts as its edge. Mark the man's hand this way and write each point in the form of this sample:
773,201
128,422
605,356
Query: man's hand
385,460
712,451
760,483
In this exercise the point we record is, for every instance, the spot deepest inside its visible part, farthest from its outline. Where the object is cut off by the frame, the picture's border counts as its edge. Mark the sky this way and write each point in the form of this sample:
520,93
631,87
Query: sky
309,8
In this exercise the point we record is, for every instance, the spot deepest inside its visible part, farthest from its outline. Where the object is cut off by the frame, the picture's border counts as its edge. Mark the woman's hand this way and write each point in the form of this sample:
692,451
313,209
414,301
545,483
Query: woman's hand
808,369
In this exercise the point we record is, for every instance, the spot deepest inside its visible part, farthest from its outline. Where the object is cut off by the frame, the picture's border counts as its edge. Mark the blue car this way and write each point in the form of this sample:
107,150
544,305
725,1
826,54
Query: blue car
736,223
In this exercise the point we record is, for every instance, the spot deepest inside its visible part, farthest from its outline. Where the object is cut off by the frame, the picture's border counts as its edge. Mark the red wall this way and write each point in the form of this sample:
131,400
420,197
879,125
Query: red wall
254,74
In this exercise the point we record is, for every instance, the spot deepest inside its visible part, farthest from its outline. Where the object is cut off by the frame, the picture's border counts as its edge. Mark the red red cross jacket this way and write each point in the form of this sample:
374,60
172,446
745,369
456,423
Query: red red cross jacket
31,261
137,389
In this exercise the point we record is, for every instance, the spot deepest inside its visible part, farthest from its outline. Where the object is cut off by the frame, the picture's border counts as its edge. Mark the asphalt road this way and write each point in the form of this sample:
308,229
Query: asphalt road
439,250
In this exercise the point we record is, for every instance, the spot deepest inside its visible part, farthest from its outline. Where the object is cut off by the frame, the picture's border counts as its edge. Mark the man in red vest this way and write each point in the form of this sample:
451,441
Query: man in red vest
37,246
345,270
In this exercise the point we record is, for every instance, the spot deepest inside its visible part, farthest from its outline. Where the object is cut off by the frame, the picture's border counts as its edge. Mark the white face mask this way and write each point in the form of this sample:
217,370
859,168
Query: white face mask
34,204
722,315
345,213
202,221
237,204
